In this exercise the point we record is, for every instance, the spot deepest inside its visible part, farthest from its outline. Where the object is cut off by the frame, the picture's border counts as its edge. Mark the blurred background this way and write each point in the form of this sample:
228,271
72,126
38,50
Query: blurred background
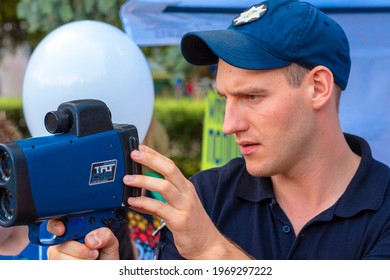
184,102
179,87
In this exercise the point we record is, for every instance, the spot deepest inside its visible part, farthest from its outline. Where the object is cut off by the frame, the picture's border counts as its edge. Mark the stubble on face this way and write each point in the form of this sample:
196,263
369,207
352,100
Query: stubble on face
277,124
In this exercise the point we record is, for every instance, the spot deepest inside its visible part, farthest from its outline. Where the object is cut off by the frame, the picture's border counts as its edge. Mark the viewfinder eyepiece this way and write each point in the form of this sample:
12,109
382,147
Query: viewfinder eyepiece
58,122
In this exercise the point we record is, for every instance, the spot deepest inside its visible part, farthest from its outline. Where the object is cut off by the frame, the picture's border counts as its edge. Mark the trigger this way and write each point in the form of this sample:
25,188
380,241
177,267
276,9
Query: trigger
110,223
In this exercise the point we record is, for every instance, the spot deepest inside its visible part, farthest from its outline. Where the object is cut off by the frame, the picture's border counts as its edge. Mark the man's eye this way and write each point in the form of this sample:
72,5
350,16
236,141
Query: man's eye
251,97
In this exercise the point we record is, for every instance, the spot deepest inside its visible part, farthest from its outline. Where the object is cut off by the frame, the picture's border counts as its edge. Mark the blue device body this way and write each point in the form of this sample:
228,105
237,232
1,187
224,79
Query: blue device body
76,178
60,176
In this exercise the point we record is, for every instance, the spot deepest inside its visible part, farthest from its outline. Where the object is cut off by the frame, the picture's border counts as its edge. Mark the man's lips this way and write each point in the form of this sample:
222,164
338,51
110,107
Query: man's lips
246,148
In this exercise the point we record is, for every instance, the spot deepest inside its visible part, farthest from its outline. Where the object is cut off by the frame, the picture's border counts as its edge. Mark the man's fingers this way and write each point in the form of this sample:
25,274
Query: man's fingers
103,239
152,206
160,164
162,186
56,227
99,244
71,250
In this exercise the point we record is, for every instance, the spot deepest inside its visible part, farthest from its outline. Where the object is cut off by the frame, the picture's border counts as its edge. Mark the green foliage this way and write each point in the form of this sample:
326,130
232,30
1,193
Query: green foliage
172,60
12,32
42,16
34,19
183,120
45,15
7,10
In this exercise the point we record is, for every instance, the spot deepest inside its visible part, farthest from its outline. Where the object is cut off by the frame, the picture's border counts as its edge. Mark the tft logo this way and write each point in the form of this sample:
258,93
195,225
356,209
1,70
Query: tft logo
102,172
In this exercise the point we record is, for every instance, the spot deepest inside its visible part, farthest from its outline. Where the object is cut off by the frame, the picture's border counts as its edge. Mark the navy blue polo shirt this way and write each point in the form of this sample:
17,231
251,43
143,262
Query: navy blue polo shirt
31,252
244,209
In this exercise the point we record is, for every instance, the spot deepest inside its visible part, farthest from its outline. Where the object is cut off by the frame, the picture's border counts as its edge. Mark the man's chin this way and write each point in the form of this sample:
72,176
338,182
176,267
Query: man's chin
258,170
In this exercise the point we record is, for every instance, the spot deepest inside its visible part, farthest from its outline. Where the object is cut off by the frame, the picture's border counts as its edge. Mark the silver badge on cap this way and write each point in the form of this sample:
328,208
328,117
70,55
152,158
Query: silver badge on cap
252,14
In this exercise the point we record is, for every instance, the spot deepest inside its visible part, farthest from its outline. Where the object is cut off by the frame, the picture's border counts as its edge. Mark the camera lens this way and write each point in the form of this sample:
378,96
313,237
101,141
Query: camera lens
57,122
5,166
7,210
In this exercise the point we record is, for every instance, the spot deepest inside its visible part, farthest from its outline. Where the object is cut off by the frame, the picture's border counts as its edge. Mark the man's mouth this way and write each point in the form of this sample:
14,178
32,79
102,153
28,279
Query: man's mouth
247,148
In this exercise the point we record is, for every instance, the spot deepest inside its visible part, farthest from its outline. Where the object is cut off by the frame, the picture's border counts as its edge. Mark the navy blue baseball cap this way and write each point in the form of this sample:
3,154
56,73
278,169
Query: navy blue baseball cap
274,34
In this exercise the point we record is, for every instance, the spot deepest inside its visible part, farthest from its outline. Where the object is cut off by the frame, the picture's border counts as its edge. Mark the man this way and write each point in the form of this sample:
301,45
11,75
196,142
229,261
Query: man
303,189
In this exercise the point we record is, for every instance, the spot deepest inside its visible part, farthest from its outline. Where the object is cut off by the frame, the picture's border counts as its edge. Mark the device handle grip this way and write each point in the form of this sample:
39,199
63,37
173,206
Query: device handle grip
76,227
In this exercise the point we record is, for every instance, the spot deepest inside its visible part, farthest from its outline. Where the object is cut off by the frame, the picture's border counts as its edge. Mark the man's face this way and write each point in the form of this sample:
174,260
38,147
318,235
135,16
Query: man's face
272,121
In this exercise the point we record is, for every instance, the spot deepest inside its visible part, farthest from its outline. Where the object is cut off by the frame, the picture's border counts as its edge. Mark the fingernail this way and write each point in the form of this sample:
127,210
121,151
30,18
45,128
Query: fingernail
136,153
130,200
93,240
128,178
57,228
93,254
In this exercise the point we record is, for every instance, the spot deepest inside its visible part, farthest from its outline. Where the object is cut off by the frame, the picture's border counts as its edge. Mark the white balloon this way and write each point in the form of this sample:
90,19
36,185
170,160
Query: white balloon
88,59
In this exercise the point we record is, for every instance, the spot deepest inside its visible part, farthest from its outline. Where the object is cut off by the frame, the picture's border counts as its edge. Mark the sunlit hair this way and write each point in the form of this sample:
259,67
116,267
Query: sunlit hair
295,74
8,130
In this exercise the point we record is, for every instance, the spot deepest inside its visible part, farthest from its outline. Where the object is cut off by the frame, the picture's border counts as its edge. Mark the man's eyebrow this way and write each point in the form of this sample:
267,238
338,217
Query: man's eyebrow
245,91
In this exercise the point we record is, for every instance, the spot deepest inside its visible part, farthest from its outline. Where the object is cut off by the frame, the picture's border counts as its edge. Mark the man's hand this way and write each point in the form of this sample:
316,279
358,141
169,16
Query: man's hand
13,240
195,235
98,244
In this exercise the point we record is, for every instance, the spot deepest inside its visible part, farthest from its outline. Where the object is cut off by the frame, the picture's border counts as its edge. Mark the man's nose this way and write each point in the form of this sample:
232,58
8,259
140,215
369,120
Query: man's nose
233,120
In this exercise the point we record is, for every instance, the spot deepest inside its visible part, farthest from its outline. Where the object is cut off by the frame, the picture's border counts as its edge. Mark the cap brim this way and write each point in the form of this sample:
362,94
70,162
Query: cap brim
205,47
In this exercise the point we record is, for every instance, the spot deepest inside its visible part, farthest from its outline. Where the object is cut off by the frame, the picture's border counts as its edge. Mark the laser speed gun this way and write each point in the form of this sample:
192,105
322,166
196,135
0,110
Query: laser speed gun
74,175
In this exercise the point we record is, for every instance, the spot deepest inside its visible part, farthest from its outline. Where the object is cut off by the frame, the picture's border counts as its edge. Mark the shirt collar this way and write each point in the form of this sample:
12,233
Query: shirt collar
254,189
365,191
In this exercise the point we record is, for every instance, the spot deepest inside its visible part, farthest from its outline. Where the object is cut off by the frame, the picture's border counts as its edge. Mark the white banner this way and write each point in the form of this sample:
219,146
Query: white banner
237,270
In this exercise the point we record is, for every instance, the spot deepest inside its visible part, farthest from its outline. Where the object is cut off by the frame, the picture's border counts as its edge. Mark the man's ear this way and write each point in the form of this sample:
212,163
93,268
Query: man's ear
322,82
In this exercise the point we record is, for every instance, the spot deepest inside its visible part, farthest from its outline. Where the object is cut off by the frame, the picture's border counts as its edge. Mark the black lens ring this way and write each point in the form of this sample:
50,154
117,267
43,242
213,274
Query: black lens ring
7,211
5,166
